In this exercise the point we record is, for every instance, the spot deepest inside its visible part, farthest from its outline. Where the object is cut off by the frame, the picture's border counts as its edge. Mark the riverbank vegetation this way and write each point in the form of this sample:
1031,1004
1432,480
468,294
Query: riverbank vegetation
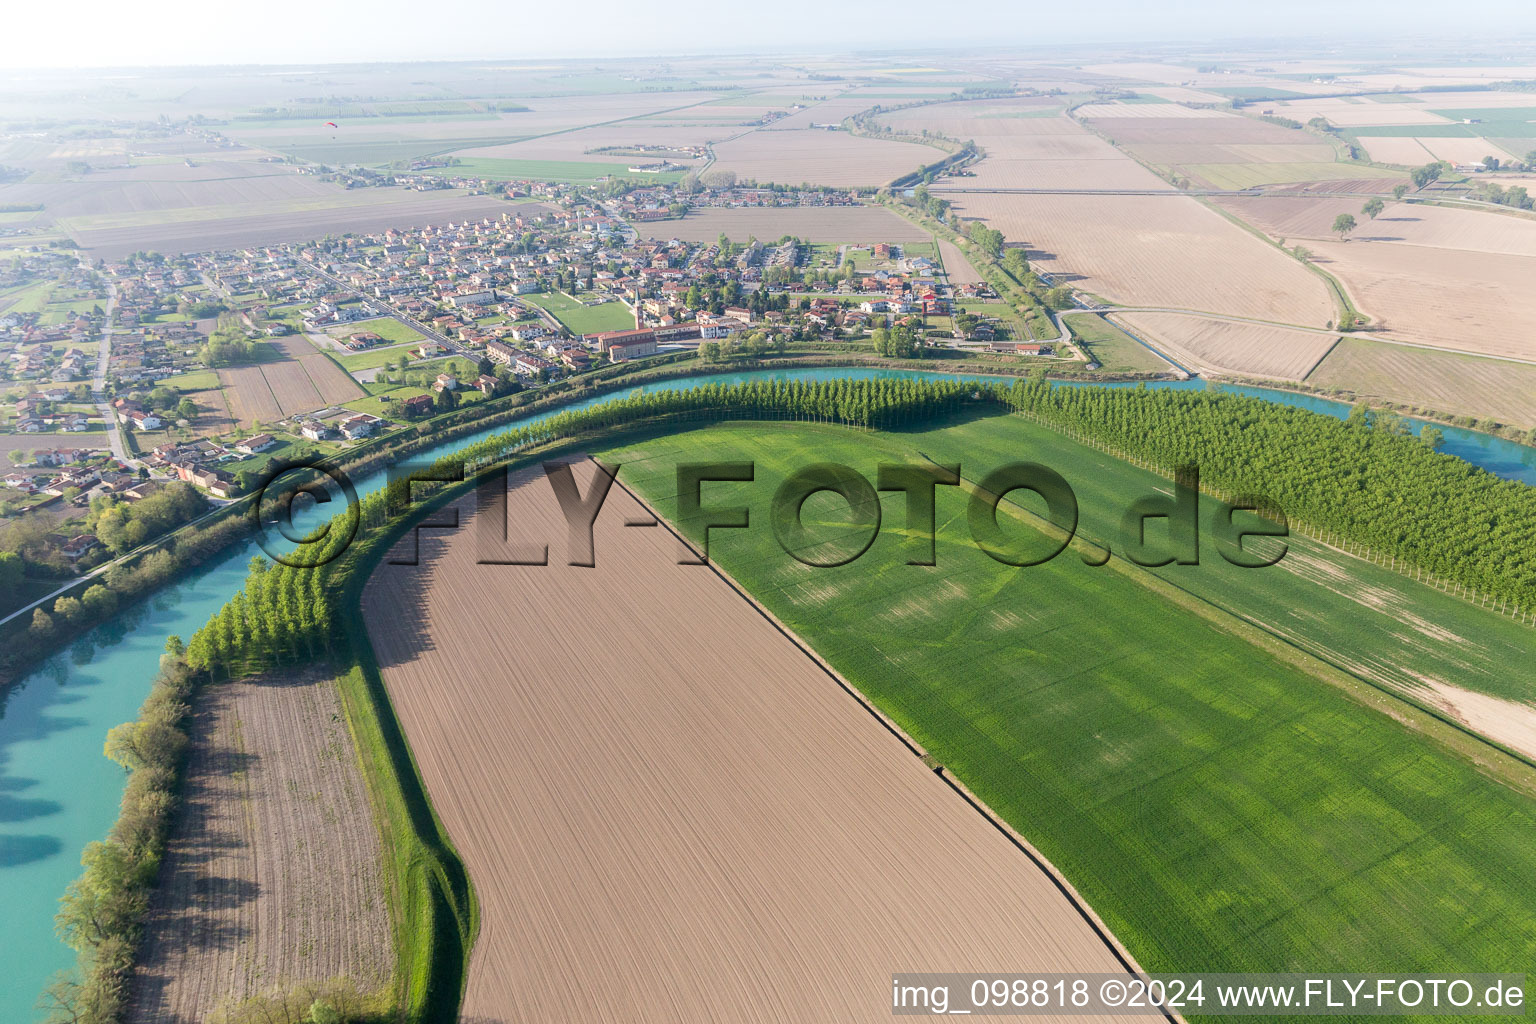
101,916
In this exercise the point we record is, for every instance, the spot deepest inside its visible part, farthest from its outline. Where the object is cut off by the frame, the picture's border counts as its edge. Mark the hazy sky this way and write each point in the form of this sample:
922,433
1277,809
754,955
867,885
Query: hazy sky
74,33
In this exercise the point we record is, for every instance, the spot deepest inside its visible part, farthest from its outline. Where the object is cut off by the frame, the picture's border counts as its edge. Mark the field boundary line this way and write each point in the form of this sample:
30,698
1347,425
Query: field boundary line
1022,844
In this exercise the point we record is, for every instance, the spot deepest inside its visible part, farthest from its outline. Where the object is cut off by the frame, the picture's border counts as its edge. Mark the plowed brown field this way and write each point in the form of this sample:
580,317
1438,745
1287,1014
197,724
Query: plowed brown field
330,382
250,396
820,157
1166,251
670,811
334,384
273,873
1234,347
1446,382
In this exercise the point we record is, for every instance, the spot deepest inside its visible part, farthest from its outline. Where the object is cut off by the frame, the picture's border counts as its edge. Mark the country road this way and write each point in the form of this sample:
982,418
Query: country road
99,383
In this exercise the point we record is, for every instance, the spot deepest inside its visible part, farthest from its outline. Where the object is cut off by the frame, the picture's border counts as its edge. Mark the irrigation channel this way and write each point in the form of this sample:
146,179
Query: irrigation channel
58,792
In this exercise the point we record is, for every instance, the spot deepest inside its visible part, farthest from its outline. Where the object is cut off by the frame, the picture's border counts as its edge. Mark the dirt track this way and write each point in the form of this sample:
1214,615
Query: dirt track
668,810
272,875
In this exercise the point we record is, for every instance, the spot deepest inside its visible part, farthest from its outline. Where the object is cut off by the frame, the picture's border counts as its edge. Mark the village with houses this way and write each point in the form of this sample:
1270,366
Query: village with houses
199,370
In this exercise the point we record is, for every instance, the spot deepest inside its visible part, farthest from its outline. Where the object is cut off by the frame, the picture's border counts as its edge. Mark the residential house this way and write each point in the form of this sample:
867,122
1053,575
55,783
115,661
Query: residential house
417,405
361,425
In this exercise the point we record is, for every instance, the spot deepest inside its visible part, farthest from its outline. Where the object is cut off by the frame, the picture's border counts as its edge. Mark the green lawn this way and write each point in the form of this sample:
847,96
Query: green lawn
198,380
376,405
1116,351
1219,807
610,316
386,327
374,357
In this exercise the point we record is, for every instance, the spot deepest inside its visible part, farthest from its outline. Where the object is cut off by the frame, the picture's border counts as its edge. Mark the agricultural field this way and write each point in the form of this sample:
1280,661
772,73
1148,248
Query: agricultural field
581,172
1251,175
213,417
802,835
1473,150
1053,152
1420,224
29,443
1028,144
1234,347
381,140
297,380
581,318
1112,112
238,212
249,396
291,387
1095,710
1113,349
1227,151
1339,111
1466,301
331,382
1406,151
1160,251
957,268
832,225
835,158
1446,382
579,146
273,874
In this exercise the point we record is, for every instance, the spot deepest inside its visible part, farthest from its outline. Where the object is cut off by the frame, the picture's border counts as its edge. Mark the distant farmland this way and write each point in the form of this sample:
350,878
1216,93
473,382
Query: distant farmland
800,836
1157,251
265,223
831,225
835,158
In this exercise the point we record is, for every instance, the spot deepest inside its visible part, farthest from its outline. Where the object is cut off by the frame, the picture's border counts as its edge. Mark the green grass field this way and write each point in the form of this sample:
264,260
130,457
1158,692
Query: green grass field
1116,351
374,357
1247,175
376,405
198,380
1220,807
610,316
386,327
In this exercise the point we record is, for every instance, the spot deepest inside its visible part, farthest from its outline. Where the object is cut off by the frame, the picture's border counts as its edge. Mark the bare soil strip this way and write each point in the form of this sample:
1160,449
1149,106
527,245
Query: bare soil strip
273,874
669,811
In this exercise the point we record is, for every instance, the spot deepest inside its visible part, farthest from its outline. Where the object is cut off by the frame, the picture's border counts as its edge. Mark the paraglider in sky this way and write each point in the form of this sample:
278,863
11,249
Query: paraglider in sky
331,124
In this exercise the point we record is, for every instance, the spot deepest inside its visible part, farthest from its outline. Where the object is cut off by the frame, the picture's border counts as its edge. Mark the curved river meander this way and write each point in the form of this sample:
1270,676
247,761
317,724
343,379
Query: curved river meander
58,792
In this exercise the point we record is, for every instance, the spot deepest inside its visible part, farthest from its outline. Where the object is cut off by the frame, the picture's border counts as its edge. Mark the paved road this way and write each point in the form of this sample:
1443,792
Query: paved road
99,383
